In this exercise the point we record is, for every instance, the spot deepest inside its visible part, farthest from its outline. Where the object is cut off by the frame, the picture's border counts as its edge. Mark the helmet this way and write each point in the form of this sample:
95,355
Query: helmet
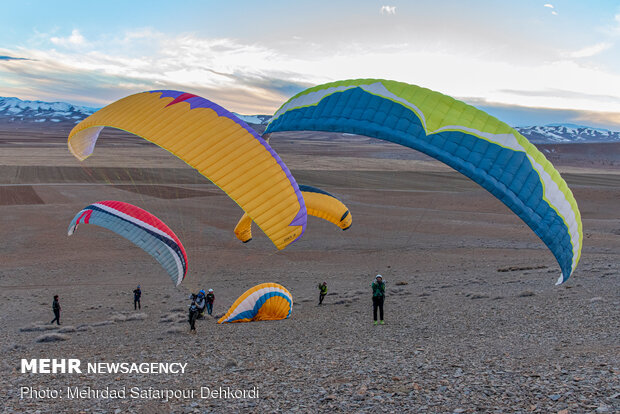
210,290
378,276
202,291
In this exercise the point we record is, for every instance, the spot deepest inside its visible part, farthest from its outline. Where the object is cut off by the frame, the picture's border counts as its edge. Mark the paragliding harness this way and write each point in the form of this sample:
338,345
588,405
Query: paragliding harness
201,304
378,290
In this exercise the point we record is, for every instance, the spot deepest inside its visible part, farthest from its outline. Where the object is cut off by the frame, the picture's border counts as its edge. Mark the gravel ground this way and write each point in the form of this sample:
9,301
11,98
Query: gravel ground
474,322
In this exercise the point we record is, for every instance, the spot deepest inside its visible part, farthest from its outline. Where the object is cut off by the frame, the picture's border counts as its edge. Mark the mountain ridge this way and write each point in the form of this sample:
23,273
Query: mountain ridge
15,110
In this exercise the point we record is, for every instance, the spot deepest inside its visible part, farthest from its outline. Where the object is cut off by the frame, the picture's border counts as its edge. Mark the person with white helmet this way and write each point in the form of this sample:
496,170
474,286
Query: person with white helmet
210,299
378,297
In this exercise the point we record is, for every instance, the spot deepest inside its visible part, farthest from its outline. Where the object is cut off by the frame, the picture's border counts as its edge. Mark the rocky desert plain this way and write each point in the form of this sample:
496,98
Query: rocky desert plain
474,320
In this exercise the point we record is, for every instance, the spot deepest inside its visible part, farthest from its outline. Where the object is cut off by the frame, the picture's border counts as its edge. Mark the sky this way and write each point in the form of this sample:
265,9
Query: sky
527,62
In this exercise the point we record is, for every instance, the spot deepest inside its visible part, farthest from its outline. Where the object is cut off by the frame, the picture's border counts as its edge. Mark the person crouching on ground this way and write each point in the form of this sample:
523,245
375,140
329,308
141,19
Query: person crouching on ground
378,297
137,294
56,309
322,292
210,298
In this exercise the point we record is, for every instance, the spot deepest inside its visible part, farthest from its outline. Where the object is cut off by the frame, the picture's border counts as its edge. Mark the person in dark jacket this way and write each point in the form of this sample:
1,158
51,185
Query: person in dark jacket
322,292
378,297
210,298
193,314
137,294
56,308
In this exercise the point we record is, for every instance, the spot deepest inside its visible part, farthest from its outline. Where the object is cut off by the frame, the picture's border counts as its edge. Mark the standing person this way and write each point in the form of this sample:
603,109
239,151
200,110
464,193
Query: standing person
210,299
378,297
322,292
137,294
56,308
201,303
193,314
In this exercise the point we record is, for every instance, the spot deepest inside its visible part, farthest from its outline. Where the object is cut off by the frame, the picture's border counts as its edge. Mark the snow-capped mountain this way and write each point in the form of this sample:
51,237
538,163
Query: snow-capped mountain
567,133
15,110
254,119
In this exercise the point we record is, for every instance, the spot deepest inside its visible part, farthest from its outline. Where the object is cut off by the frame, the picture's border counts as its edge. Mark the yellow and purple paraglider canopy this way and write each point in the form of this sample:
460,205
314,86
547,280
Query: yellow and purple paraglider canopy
216,143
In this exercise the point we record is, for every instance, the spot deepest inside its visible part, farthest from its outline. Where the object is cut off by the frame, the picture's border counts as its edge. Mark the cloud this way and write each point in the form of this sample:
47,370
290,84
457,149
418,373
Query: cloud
388,9
521,116
565,94
590,51
550,6
54,81
76,39
251,77
12,58
246,78
613,28
600,119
